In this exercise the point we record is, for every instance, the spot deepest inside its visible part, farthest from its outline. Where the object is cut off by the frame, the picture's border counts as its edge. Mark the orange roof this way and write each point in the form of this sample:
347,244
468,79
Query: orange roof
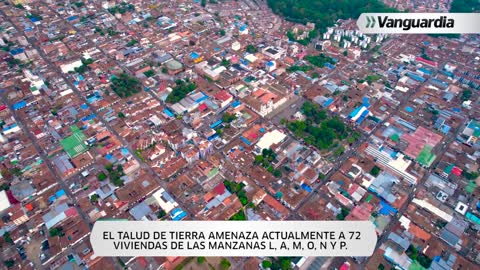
289,60
142,70
258,93
119,204
267,97
29,207
223,95
419,232
275,204
103,135
207,197
227,201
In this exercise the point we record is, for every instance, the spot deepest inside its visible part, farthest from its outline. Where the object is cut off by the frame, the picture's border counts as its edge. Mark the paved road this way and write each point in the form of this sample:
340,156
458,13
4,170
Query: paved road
40,151
51,167
44,157
144,165
352,152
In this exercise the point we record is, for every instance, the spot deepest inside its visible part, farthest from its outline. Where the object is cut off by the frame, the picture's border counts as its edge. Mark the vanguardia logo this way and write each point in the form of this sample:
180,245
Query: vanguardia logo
370,21
407,24
419,23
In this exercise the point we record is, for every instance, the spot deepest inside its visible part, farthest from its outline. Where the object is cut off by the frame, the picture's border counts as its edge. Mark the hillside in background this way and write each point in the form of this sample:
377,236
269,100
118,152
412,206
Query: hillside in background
324,13
464,6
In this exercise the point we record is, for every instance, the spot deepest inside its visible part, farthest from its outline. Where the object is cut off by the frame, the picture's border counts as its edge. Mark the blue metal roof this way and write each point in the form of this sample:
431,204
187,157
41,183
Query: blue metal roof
330,66
214,136
17,51
194,55
328,102
445,129
416,77
19,105
236,103
247,142
89,117
60,193
177,214
168,112
365,101
306,187
6,128
72,18
354,112
387,209
425,70
362,117
216,124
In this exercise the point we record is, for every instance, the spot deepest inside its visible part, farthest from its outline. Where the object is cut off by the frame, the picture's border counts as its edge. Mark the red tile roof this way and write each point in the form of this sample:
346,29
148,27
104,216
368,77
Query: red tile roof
219,189
223,95
425,61
202,107
71,212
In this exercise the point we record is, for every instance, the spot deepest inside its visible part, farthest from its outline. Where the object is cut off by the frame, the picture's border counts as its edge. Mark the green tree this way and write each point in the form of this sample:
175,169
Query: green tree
200,260
149,73
225,62
251,48
161,213
180,90
466,94
101,176
9,263
319,60
225,264
125,85
375,171
4,186
109,167
465,6
266,264
258,159
286,264
303,68
56,231
16,171
94,198
325,13
7,238
132,42
470,175
228,117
